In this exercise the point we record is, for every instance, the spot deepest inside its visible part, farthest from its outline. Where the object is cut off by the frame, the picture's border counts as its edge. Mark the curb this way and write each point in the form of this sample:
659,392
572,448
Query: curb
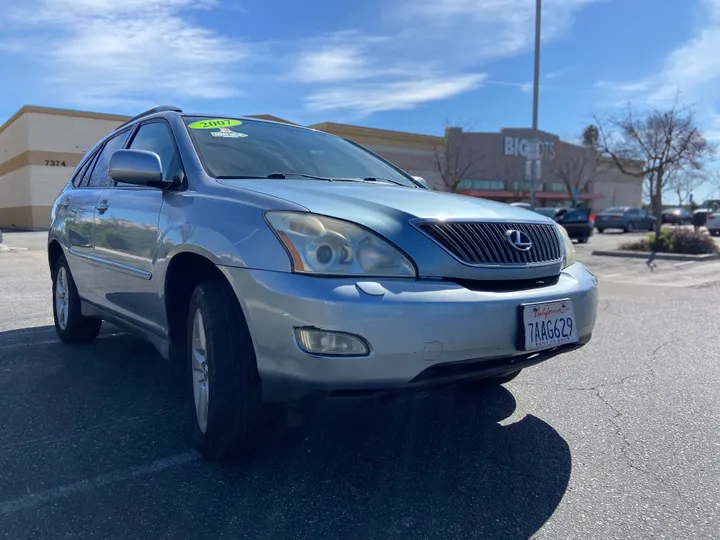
657,256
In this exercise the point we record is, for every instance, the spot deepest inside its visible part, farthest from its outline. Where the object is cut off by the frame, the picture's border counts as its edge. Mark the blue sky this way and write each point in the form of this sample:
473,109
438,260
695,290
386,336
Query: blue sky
399,64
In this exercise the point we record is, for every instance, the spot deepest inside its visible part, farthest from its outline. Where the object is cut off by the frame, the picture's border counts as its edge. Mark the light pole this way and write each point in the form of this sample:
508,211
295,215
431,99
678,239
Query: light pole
536,93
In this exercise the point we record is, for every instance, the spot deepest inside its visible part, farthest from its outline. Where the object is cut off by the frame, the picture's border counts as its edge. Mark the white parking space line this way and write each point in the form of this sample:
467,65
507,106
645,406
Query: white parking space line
37,499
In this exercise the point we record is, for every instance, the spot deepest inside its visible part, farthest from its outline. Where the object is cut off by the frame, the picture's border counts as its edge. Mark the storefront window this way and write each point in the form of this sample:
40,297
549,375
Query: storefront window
524,186
482,185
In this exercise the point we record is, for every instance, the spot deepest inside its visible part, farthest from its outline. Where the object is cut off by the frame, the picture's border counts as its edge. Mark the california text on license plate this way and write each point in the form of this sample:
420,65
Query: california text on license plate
549,324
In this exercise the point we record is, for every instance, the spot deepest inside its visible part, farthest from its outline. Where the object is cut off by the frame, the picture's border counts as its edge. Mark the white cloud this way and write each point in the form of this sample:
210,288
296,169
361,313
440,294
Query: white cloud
105,52
692,69
129,53
331,64
370,98
424,50
487,29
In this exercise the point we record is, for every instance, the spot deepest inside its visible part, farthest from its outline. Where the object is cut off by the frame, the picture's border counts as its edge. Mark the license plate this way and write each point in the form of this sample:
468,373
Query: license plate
549,324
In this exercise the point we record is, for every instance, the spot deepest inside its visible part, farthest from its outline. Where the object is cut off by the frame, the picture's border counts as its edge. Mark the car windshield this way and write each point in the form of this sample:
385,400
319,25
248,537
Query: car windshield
255,149
616,210
549,212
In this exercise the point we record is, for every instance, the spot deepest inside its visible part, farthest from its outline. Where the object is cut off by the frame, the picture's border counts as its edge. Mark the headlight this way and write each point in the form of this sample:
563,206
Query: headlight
323,245
569,248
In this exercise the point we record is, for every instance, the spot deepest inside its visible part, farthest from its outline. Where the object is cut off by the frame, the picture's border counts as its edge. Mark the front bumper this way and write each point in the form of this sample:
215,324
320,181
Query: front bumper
412,327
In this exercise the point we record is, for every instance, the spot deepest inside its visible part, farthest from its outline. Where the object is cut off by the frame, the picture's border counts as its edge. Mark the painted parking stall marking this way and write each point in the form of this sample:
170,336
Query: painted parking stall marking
549,324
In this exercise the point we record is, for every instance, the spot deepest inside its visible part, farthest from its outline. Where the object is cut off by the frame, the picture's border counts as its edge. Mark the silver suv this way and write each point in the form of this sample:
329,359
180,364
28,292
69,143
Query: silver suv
282,263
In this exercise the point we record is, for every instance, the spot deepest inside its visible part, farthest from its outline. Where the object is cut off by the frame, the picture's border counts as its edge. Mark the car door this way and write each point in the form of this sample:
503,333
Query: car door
645,219
126,235
635,216
78,206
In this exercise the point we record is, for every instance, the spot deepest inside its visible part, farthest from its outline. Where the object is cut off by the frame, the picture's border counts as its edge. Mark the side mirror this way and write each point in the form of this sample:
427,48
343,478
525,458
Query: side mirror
421,180
138,167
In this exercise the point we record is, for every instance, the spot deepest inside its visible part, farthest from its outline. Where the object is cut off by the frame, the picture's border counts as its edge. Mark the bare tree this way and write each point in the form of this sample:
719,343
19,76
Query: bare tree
457,160
653,145
578,172
683,182
516,184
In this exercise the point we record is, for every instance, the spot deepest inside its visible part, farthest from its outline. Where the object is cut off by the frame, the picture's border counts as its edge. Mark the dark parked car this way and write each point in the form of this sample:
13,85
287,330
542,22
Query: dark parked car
677,216
700,217
576,221
625,218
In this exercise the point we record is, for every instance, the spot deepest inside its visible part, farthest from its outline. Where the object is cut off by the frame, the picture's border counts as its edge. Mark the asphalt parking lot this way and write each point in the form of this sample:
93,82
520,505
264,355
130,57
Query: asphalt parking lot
620,439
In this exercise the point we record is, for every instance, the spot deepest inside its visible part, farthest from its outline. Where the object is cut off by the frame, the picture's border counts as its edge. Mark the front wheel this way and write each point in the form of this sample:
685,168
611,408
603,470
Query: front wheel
70,324
223,369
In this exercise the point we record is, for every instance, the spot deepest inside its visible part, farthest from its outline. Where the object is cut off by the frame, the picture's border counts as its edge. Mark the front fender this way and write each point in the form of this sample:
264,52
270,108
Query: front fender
227,232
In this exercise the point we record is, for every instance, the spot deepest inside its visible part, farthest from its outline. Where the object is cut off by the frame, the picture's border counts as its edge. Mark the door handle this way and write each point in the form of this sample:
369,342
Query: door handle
102,206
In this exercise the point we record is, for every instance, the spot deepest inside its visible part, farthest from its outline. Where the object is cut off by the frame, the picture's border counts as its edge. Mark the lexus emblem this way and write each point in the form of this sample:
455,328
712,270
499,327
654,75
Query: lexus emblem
519,240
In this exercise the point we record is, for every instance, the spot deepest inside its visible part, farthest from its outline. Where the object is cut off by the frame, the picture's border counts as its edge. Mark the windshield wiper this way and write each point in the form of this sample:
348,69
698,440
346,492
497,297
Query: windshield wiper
235,177
275,176
283,175
373,179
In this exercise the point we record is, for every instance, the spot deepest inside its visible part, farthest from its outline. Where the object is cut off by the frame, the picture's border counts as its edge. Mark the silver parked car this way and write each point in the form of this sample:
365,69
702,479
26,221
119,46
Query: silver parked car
283,263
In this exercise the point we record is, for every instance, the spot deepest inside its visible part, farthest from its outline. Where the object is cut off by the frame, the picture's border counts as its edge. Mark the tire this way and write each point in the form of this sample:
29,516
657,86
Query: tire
70,324
222,371
601,231
630,227
651,227
582,240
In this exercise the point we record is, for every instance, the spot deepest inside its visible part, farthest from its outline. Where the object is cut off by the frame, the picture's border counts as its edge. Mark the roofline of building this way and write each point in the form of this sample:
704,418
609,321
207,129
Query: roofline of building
62,112
343,130
349,130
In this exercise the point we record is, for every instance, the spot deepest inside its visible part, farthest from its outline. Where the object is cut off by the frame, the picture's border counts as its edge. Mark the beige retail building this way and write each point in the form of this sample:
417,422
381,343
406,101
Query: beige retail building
40,147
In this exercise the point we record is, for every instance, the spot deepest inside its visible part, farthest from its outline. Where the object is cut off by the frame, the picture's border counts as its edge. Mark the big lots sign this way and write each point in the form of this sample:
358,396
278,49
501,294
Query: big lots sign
515,146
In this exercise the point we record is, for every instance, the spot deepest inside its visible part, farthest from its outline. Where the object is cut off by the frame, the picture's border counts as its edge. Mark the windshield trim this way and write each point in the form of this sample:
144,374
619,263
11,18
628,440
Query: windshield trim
188,119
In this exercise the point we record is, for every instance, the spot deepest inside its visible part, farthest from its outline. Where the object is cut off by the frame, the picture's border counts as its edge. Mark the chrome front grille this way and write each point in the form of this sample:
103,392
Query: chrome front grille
487,243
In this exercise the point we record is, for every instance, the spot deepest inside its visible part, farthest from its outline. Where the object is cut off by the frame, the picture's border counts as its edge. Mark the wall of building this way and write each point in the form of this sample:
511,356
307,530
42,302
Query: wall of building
494,165
39,150
14,188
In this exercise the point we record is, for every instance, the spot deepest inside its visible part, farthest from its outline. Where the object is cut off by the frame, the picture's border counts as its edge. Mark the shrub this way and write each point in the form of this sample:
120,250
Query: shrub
683,241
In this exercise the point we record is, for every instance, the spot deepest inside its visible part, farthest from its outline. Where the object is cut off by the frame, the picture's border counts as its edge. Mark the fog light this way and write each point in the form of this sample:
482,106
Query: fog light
325,343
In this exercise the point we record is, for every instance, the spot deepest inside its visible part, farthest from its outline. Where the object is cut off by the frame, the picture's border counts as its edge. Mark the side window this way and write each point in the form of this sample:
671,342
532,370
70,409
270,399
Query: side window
642,213
578,214
157,137
81,177
99,177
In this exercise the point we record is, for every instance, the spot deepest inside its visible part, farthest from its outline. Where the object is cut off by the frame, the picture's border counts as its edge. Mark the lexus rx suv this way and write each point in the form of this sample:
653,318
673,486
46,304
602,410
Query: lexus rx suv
281,263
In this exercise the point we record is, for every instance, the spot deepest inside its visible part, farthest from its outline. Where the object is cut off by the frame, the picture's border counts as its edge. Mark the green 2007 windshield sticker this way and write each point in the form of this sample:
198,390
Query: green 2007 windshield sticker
214,123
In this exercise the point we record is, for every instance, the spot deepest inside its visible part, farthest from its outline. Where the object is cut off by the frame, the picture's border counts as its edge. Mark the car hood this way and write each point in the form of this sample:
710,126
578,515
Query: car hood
389,210
373,205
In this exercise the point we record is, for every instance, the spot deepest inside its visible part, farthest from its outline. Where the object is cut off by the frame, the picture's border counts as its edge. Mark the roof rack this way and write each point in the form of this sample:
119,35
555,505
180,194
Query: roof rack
161,108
